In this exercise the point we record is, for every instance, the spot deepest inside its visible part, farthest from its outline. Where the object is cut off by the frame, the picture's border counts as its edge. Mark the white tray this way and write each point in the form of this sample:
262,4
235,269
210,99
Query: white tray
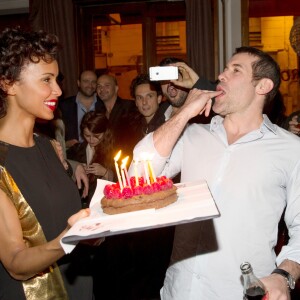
195,203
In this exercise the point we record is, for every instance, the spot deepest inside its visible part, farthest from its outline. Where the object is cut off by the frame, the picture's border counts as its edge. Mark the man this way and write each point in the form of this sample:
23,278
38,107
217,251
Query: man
118,111
251,194
176,94
75,107
148,97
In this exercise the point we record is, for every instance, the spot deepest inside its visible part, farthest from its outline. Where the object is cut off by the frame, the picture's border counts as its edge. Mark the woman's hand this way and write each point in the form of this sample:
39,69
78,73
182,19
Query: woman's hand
96,169
83,213
81,179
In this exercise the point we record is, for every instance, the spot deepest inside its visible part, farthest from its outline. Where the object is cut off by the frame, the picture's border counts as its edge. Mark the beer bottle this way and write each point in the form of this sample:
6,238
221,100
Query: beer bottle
253,287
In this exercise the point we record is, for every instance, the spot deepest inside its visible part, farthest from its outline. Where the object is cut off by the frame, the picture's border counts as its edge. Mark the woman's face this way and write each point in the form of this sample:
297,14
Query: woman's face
36,93
92,139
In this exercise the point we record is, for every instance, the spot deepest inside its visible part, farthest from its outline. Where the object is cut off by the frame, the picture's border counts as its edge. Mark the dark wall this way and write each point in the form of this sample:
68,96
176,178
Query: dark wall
21,20
273,8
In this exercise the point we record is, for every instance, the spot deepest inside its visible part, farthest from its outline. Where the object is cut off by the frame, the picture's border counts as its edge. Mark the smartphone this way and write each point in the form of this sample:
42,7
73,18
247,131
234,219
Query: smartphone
163,73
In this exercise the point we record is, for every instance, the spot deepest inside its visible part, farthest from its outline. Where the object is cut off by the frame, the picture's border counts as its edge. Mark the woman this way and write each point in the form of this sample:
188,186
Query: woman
37,196
96,152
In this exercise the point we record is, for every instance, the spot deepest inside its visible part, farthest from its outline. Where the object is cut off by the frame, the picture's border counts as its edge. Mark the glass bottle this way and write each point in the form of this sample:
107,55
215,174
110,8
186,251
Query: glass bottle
253,287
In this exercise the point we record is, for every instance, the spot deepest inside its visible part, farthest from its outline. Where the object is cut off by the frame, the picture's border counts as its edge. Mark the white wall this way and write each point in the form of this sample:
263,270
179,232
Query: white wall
233,29
13,6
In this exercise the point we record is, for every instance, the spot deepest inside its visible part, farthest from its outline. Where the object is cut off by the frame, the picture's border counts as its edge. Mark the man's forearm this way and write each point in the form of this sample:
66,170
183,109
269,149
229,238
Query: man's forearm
166,136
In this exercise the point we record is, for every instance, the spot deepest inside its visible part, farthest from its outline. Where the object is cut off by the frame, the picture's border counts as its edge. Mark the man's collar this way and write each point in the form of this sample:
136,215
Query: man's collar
266,125
78,98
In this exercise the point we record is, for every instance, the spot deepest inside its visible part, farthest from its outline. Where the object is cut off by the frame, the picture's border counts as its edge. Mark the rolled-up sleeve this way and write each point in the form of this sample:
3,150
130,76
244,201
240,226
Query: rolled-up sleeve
168,166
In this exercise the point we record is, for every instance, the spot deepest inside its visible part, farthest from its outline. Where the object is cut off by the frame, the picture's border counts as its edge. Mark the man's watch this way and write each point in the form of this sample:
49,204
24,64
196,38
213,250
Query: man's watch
289,278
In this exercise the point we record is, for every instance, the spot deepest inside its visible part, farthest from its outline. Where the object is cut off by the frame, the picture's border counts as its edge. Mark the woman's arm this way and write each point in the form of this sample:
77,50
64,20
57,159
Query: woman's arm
20,261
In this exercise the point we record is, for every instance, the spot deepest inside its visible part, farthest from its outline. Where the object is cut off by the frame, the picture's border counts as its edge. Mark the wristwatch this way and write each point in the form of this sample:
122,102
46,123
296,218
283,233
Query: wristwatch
289,278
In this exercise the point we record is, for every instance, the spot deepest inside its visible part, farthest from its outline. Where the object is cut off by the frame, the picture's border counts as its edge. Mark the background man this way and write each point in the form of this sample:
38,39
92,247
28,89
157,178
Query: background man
176,94
119,112
148,99
73,108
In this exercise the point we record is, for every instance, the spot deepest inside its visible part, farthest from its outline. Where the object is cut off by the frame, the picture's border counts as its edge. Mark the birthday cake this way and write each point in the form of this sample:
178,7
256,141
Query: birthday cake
138,195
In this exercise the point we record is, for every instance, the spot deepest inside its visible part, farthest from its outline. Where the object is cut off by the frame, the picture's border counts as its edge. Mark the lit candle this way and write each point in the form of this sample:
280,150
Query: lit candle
124,162
135,163
116,158
151,168
123,176
146,175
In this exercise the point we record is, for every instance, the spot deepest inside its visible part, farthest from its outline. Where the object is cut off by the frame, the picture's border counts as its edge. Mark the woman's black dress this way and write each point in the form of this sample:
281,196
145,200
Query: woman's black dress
53,197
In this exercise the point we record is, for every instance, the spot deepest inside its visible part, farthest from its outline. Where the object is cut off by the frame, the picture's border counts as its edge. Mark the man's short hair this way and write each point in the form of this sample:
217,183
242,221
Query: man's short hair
264,67
144,79
170,60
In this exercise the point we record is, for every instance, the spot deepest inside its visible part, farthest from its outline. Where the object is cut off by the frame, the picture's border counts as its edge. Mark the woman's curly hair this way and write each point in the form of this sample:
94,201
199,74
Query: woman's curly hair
19,48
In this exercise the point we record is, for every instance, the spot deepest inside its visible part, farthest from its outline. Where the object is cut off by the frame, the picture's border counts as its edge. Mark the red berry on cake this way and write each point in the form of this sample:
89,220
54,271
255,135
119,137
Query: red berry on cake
132,181
127,192
107,191
147,189
138,190
155,187
116,193
141,181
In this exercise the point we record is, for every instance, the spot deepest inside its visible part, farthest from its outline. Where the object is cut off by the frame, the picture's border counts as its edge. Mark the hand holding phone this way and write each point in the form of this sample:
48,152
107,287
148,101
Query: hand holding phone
163,73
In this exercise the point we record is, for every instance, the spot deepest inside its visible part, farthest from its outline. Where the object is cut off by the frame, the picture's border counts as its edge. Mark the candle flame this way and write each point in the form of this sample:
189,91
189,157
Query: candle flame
116,158
124,162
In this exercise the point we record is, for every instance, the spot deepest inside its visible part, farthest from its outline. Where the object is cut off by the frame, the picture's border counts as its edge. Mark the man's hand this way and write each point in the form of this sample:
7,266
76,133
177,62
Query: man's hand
189,76
199,102
60,153
276,287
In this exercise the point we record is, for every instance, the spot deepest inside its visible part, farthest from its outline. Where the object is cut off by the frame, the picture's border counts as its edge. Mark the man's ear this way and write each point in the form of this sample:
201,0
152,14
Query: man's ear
264,86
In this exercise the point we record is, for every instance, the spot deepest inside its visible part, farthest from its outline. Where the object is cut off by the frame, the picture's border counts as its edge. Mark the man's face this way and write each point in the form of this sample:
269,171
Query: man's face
174,94
238,88
87,83
106,88
147,100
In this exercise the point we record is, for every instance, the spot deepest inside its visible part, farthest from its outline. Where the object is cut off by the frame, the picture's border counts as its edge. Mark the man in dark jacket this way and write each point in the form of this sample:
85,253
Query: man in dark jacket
119,111
148,99
75,107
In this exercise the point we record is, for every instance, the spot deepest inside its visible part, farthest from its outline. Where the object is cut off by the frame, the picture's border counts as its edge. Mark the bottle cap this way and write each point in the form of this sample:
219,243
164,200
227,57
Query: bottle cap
246,268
